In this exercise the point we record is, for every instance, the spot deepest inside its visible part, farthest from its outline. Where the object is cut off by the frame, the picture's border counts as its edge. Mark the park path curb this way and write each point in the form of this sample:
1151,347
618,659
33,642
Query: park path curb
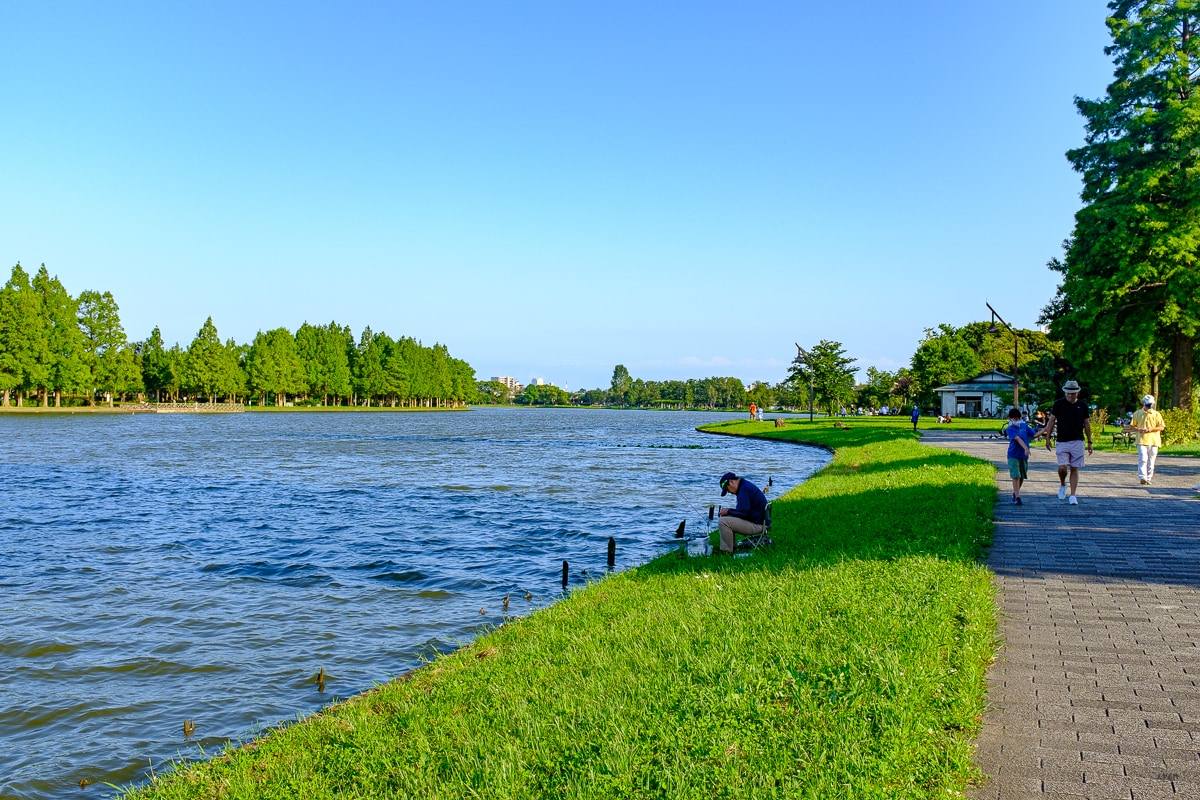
1095,692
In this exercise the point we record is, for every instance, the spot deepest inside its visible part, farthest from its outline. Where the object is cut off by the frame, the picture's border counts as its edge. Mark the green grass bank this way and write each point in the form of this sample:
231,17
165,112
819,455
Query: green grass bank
845,662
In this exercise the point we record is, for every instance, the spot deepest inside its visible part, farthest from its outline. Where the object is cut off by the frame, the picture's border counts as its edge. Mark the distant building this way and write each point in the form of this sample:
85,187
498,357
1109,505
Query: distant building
510,383
536,382
988,393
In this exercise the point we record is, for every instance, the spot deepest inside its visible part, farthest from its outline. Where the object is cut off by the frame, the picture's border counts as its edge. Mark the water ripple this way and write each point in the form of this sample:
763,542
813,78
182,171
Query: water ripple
215,564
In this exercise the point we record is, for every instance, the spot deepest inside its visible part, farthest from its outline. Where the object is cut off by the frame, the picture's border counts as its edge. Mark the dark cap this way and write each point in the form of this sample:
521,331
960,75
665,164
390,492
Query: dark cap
725,479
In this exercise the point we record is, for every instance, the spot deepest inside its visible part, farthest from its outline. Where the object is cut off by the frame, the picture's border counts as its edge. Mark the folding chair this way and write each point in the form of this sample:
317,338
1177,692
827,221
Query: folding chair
756,540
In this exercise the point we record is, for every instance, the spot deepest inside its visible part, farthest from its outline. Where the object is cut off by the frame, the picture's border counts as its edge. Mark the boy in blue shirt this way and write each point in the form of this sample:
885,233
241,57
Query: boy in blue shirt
1019,436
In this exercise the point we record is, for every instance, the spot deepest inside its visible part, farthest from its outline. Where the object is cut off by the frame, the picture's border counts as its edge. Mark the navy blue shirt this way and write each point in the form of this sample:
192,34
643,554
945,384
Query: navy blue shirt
1017,430
751,503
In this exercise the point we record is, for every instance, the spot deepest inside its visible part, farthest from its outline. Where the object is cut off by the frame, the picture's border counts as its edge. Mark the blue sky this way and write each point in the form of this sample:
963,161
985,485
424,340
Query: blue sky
550,189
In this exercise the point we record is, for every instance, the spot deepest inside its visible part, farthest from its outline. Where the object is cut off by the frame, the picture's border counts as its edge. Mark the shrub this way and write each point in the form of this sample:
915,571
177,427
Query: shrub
1182,426
1099,419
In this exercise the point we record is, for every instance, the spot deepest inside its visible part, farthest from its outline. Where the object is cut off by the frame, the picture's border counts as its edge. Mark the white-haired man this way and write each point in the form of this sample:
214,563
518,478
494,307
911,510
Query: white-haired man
1149,424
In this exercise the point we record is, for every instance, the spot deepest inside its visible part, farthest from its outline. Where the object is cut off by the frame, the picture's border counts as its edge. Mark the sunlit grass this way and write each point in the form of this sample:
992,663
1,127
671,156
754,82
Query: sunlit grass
847,661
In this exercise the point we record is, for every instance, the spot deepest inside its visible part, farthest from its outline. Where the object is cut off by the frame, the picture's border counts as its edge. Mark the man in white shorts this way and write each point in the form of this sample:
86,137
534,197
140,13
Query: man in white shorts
1070,415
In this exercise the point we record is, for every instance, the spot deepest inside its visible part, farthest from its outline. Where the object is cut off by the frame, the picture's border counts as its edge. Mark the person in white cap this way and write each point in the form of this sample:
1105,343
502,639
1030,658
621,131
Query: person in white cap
1148,423
1070,415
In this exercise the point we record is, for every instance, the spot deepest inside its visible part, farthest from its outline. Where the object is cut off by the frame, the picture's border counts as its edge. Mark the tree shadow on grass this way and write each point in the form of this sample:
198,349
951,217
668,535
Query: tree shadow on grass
947,459
824,436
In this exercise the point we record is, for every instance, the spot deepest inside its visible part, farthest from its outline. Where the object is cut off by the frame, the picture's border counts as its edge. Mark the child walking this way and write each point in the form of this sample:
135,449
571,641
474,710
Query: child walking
1019,436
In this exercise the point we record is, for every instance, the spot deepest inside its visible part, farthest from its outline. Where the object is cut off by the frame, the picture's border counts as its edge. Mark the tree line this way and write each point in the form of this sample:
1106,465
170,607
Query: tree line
626,391
56,345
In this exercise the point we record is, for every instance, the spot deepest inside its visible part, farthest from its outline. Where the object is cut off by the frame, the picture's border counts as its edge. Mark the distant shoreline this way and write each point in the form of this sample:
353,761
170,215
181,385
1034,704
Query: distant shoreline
201,409
135,409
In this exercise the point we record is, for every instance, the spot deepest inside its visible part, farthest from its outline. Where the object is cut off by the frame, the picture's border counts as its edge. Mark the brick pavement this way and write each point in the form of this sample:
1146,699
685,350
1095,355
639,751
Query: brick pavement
1096,690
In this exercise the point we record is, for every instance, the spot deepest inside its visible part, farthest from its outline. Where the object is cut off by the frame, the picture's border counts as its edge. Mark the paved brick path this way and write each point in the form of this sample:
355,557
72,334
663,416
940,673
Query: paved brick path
1096,692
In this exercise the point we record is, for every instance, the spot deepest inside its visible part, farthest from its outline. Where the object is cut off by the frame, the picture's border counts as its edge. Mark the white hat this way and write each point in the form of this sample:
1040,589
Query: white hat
1148,400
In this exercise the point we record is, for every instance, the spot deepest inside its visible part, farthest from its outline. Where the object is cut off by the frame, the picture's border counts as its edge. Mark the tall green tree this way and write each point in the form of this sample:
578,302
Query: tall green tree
462,382
399,364
67,370
1130,283
210,369
620,384
104,340
370,379
830,373
904,388
236,385
24,344
325,353
156,364
273,366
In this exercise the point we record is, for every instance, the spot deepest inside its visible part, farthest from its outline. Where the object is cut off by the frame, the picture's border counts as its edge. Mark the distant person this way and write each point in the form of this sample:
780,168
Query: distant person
1019,437
753,412
760,414
746,517
916,415
1069,415
1149,424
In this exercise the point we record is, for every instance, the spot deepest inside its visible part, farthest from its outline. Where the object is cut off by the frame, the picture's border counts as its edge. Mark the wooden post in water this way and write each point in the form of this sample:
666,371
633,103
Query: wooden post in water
711,508
612,552
565,576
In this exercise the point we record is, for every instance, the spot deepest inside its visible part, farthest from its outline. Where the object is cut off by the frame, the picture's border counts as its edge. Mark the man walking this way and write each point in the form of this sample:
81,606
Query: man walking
916,415
1149,424
1070,415
746,517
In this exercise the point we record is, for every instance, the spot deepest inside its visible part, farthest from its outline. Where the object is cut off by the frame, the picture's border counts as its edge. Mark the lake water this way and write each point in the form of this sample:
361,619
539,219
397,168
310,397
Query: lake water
157,569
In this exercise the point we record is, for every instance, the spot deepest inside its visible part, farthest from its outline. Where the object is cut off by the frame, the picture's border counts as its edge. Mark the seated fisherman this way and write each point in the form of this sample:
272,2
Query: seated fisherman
746,517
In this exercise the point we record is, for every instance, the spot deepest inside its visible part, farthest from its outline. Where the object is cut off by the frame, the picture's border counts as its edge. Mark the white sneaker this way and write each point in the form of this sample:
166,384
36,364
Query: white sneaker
1062,493
1072,501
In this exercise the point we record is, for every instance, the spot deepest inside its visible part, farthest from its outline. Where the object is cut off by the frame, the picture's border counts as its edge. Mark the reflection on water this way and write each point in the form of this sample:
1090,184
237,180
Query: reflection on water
165,572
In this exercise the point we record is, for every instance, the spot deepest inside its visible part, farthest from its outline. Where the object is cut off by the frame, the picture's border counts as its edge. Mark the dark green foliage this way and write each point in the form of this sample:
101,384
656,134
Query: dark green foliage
877,391
68,371
211,370
762,394
273,367
542,396
24,348
712,393
948,354
112,361
621,382
53,343
942,357
1181,426
492,393
1128,307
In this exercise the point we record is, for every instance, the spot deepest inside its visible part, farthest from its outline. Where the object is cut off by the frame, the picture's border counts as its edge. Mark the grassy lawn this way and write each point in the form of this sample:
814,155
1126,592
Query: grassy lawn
845,662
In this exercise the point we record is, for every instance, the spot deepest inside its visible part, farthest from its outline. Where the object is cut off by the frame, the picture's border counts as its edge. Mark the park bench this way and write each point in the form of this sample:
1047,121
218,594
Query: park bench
1124,436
